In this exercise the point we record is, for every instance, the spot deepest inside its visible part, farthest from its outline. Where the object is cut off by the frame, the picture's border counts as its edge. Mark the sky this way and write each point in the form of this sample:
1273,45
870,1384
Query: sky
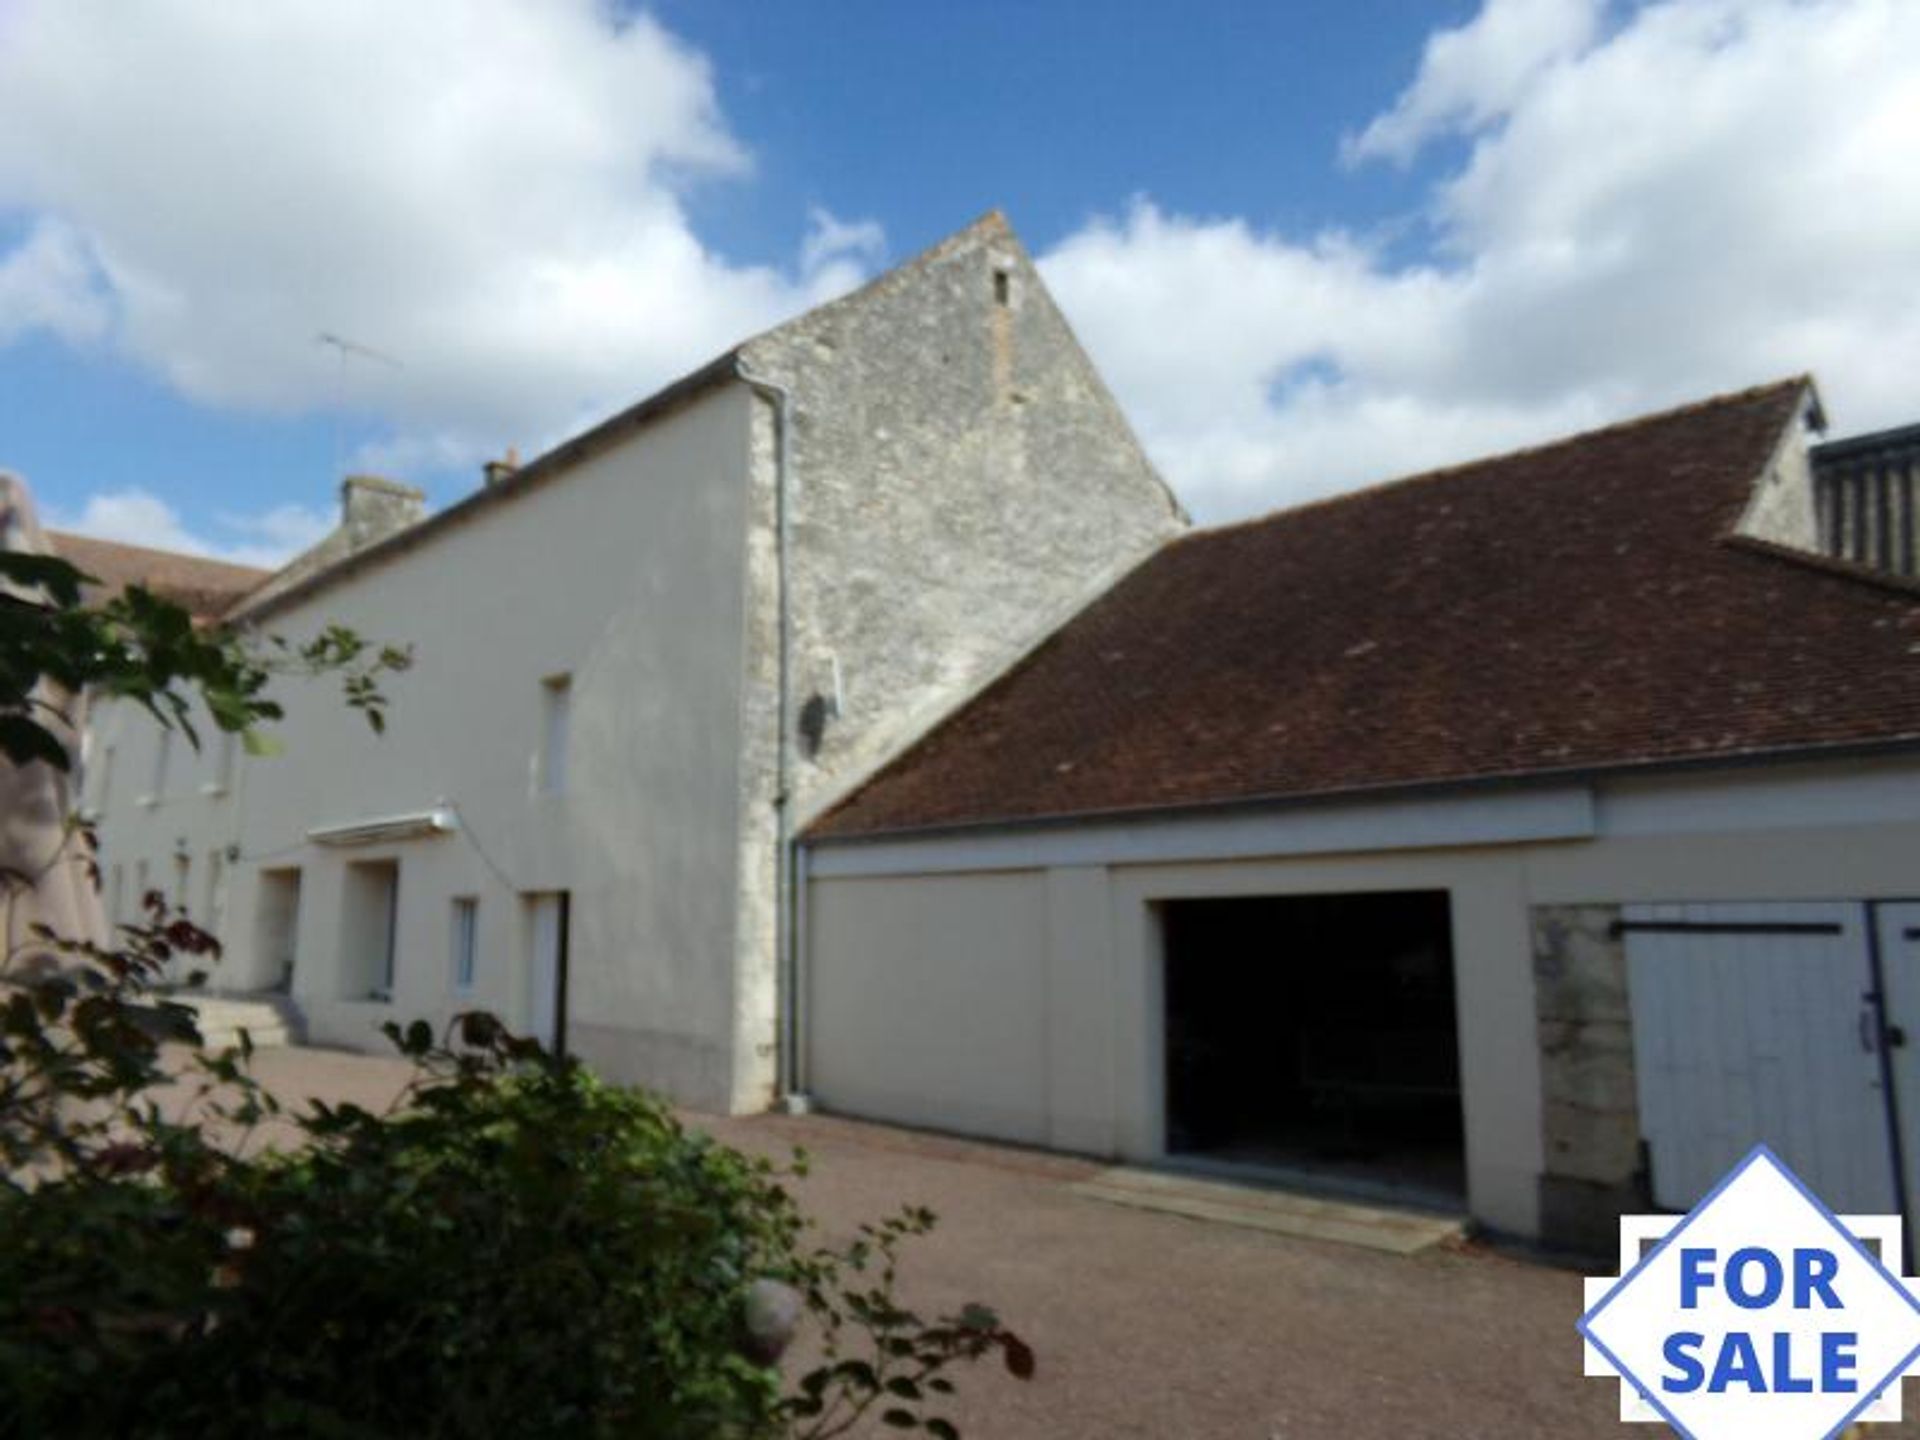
1311,245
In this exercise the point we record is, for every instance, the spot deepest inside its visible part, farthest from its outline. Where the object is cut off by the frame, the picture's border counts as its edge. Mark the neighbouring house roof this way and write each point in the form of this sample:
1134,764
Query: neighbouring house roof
206,588
1581,606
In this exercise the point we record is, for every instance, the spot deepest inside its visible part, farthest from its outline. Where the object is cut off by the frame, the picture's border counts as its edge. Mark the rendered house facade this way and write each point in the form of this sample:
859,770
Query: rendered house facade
643,660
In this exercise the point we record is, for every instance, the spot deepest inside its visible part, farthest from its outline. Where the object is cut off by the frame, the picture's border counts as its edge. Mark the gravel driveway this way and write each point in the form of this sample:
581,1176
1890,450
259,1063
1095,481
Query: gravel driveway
1156,1326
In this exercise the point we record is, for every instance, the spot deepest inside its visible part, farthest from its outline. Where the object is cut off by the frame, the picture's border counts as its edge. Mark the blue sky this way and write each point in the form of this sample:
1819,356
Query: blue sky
1310,244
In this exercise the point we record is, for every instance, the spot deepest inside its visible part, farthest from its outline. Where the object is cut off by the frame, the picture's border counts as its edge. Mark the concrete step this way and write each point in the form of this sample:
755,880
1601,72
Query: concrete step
1280,1212
269,1020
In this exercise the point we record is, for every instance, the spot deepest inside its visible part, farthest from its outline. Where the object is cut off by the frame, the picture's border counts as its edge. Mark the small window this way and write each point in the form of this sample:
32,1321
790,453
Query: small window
182,878
466,936
226,749
211,909
1002,287
556,720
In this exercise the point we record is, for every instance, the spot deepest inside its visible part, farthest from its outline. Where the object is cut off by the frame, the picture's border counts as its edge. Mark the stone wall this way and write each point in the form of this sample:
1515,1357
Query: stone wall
959,483
1594,1170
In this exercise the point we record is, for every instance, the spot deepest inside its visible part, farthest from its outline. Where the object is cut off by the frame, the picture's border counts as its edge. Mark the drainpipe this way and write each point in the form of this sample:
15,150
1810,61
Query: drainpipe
792,1098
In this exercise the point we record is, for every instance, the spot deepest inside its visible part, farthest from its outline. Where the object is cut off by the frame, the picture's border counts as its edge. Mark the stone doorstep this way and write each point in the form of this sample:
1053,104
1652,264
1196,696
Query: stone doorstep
1397,1232
267,1022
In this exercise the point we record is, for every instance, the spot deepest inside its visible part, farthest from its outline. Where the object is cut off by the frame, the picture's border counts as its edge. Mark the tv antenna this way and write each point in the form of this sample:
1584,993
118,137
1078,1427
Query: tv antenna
348,350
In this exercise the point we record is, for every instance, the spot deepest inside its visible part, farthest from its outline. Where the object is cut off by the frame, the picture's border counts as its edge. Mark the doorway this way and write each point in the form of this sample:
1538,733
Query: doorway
548,923
1316,1035
1788,1023
277,927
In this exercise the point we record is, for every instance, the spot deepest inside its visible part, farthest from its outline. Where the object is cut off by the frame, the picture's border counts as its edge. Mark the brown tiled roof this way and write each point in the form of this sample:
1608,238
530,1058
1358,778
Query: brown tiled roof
1578,606
206,588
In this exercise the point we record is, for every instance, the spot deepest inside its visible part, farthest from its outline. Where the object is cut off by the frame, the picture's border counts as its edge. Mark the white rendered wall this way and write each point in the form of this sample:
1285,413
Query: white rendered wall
624,573
1083,980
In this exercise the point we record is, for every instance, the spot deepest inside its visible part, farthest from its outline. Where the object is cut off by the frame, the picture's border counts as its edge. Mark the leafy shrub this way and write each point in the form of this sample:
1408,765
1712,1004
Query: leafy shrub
515,1249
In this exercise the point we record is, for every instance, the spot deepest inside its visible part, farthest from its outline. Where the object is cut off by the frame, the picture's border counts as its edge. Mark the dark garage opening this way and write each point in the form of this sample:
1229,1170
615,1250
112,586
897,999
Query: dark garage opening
1316,1033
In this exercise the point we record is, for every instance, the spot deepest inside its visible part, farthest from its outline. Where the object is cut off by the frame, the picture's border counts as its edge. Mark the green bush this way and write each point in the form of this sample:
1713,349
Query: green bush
515,1249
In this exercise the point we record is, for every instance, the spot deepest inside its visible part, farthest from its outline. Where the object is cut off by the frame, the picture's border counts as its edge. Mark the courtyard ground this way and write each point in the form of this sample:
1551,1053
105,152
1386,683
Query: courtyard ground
1153,1325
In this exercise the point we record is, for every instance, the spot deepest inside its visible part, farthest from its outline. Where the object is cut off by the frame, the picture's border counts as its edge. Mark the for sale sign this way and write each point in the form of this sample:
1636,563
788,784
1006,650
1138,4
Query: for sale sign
1760,1315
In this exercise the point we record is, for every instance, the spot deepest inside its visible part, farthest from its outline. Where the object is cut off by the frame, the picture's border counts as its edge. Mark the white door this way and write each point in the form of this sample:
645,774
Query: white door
548,959
1899,934
1756,1023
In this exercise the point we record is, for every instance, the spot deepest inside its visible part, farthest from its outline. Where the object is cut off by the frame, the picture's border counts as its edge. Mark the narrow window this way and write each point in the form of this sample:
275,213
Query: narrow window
466,934
1002,287
211,911
182,876
556,720
225,750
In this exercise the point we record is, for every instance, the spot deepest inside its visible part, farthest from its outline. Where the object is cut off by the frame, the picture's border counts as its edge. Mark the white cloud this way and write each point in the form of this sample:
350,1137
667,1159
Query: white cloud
139,517
489,190
1472,74
48,282
832,241
1707,194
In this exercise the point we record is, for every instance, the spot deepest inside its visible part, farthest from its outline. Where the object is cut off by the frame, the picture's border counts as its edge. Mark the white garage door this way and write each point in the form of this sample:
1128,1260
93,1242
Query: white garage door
1899,937
1758,1023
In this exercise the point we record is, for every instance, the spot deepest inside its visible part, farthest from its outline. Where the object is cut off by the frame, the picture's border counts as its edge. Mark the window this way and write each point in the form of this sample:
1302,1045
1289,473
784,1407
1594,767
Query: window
182,877
370,929
556,717
211,910
226,747
466,934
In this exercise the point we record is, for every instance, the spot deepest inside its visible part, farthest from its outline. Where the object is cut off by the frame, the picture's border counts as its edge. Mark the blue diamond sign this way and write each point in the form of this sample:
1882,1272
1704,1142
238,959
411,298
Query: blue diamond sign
1760,1314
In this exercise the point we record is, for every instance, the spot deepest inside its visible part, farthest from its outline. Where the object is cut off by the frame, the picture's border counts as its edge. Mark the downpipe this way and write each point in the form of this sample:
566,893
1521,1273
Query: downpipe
792,1096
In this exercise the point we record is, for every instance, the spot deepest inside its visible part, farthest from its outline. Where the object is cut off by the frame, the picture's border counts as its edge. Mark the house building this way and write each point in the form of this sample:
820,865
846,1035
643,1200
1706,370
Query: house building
1867,488
642,661
1528,838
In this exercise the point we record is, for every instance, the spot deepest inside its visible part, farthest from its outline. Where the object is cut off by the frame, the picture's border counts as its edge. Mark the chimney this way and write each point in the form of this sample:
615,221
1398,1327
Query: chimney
494,471
373,507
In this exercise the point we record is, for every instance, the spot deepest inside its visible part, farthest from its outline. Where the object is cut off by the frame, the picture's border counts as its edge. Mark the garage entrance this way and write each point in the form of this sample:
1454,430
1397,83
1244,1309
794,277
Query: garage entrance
1316,1034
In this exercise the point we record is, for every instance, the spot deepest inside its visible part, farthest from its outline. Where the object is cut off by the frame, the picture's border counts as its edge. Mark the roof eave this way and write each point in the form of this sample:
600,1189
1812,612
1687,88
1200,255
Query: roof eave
1389,790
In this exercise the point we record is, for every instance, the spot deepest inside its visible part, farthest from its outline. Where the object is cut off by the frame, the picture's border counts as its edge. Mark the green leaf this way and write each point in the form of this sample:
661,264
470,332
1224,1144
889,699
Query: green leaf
254,742
25,741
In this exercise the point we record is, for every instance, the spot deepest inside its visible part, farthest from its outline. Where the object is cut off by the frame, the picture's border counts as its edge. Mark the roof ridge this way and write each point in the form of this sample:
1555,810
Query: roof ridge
57,536
1751,393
